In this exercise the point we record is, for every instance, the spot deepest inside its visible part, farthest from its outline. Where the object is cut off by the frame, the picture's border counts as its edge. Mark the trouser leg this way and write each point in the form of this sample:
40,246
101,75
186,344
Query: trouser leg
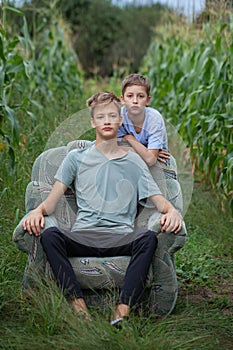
57,248
142,251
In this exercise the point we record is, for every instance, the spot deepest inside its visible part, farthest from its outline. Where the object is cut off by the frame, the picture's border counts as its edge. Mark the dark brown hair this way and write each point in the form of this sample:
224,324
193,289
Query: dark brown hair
135,79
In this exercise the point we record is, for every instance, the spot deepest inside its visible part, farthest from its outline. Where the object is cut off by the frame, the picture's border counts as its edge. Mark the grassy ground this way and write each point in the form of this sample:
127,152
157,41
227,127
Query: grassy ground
202,318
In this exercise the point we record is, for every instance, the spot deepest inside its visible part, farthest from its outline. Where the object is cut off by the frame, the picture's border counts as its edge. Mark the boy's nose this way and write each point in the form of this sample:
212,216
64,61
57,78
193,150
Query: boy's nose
135,99
106,120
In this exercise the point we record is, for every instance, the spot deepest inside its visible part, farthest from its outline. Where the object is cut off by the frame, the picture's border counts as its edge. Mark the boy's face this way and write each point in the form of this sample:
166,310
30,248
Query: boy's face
106,120
135,99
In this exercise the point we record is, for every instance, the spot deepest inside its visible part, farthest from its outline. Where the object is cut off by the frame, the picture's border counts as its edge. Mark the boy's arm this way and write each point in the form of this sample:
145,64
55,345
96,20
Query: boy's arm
148,155
34,222
171,221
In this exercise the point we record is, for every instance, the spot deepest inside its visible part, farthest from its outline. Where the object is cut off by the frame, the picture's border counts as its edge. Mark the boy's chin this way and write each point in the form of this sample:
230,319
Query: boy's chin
109,137
137,110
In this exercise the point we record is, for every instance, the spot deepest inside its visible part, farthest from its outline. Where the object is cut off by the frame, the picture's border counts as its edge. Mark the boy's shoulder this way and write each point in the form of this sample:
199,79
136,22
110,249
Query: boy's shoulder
80,151
153,117
153,112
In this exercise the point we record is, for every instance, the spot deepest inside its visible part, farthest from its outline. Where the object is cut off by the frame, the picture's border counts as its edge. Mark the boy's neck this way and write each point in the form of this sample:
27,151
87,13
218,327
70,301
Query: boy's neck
110,148
138,119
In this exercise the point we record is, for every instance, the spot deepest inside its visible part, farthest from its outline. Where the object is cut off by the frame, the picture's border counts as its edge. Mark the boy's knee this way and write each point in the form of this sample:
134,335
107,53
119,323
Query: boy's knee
49,235
152,238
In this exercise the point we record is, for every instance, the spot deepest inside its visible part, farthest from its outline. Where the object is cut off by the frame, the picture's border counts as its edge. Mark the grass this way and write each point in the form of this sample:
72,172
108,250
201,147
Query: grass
202,318
208,250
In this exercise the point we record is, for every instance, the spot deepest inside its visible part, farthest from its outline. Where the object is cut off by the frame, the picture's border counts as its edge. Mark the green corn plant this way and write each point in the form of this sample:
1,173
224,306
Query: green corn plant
34,70
56,69
192,85
14,74
55,65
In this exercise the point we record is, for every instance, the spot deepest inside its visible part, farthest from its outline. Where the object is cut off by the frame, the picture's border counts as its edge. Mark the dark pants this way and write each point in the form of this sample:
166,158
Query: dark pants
59,247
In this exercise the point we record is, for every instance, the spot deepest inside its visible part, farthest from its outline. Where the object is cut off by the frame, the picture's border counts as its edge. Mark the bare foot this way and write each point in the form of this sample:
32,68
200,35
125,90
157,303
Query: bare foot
122,310
80,308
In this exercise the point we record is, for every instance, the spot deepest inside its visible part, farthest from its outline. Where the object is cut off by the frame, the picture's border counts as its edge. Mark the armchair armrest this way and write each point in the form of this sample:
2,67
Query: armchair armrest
30,244
23,240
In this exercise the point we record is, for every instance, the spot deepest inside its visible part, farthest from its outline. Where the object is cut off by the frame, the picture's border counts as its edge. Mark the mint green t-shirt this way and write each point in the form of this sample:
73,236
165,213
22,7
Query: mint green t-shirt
107,191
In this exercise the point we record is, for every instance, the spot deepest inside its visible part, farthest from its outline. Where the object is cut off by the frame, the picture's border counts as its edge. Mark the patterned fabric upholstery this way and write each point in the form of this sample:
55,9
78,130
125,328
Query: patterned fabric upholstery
102,273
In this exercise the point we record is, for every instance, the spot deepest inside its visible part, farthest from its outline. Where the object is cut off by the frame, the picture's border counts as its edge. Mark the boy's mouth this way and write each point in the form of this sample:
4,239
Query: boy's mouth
135,108
107,128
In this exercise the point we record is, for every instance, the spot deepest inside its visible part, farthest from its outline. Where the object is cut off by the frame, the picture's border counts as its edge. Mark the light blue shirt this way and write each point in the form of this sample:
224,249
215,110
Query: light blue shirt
153,134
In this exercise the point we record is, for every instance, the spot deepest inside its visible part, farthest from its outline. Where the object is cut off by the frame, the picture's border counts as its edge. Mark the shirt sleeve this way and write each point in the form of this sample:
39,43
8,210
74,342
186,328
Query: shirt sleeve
124,128
157,135
67,171
122,131
146,185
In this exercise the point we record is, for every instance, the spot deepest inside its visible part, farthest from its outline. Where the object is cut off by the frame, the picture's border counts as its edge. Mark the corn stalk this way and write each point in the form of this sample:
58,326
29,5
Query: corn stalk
193,87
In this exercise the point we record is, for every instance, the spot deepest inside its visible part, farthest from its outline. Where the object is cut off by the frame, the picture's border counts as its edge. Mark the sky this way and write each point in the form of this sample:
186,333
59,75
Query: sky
188,7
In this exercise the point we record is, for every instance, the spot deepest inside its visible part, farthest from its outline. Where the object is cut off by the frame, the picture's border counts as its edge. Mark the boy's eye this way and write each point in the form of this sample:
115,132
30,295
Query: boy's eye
141,96
113,116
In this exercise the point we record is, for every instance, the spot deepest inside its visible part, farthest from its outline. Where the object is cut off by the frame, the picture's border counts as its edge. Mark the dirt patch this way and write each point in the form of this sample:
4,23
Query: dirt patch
221,296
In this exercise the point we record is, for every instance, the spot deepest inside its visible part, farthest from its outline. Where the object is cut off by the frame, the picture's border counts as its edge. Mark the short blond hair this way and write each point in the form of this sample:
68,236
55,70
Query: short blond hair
135,79
102,98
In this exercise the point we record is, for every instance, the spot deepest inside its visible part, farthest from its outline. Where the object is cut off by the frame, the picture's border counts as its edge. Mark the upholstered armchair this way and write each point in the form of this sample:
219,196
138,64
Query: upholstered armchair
100,275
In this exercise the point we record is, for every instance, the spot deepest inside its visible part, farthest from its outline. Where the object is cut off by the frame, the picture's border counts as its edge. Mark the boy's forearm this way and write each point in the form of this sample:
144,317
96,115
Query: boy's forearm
147,155
41,209
171,220
48,206
162,204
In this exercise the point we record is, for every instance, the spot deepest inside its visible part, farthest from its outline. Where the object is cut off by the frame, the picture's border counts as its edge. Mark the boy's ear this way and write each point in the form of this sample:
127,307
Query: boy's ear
148,99
122,99
121,120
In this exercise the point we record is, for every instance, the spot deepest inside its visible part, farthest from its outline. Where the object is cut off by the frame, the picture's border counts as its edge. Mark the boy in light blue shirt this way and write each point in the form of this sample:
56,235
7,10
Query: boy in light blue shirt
143,127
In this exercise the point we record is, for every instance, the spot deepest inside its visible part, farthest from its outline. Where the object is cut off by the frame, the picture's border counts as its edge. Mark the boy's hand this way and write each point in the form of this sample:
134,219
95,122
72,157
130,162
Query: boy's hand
163,155
34,222
171,221
128,137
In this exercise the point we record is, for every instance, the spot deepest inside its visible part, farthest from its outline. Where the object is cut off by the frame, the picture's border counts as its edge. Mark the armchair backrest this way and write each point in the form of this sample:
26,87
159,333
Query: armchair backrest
42,180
